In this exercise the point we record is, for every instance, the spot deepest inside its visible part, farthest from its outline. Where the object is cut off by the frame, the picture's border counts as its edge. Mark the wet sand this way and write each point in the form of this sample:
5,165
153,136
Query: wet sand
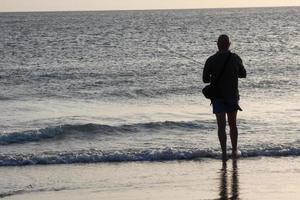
251,178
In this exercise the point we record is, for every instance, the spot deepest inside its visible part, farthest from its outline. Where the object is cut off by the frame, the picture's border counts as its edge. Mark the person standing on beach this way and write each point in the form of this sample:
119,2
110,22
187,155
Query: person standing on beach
228,98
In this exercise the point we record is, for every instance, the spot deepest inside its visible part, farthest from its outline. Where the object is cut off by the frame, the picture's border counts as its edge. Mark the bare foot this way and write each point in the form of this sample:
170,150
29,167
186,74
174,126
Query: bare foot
235,154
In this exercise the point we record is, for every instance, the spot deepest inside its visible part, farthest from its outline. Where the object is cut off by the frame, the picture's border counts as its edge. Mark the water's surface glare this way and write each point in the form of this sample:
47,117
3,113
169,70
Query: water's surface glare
126,86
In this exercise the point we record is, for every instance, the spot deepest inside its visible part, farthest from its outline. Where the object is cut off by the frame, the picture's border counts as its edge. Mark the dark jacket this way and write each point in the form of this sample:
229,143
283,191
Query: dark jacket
228,82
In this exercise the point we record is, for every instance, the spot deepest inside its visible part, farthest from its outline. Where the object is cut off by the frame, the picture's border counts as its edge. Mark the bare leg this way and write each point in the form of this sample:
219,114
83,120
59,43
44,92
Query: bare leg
233,131
221,120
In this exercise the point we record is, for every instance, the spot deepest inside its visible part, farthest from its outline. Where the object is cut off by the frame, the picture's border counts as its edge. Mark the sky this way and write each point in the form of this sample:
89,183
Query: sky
70,5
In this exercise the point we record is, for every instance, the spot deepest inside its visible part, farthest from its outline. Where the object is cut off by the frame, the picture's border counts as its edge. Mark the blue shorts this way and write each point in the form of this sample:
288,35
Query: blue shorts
225,105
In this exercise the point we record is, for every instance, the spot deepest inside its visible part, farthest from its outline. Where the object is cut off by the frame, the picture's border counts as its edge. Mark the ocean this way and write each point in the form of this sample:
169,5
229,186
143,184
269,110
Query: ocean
124,86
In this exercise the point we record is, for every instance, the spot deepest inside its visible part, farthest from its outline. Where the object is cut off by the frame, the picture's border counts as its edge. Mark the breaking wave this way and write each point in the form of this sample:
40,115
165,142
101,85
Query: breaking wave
154,155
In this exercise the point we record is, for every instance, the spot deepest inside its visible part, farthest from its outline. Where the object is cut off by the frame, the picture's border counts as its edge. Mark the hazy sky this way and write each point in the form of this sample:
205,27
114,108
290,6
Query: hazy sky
54,5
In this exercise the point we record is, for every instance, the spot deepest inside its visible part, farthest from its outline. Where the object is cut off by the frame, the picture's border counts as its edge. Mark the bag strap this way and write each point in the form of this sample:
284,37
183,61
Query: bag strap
223,69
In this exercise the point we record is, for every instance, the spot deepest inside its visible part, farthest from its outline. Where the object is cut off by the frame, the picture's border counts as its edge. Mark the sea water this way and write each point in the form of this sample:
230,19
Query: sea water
114,86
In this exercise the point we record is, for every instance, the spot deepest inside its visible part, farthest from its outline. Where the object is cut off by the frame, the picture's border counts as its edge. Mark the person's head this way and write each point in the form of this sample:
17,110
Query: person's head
223,43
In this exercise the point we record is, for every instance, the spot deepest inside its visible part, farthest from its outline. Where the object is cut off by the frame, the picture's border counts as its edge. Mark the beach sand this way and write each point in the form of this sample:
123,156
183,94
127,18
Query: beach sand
251,178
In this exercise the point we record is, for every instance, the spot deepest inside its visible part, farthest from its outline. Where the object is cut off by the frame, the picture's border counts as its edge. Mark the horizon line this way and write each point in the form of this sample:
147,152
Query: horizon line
154,9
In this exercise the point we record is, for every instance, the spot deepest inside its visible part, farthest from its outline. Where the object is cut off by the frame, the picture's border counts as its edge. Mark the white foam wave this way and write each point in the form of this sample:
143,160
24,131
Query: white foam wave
168,154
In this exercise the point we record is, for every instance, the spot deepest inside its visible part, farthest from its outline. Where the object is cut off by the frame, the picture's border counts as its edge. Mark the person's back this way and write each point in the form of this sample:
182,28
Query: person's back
225,74
228,82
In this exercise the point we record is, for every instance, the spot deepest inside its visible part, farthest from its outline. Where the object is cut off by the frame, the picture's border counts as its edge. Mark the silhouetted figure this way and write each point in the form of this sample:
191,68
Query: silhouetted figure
228,97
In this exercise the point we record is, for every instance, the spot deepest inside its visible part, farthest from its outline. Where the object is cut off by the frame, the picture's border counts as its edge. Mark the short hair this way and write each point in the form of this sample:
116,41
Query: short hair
223,41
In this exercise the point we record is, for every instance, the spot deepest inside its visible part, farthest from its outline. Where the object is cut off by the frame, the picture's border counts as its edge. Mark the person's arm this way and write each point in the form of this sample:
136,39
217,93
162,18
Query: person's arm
206,73
242,73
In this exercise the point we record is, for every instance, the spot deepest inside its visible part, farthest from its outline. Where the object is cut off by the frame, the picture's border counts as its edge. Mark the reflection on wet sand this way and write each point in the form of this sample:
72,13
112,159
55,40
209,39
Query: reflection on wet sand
224,188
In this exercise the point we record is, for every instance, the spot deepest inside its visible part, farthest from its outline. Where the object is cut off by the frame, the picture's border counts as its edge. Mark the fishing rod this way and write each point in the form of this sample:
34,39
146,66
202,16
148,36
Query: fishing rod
179,54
